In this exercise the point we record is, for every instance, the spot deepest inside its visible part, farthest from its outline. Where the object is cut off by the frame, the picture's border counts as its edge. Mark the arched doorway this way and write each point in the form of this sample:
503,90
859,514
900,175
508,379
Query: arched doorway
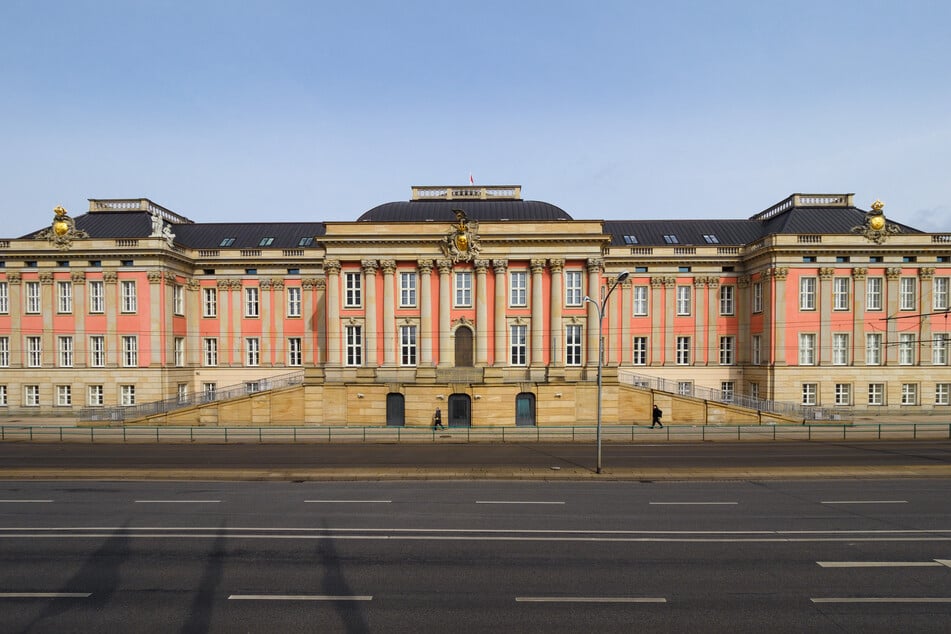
525,410
395,410
463,347
460,410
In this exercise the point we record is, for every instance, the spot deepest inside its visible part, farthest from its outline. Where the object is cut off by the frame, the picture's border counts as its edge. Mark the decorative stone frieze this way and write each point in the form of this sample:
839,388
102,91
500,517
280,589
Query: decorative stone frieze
332,266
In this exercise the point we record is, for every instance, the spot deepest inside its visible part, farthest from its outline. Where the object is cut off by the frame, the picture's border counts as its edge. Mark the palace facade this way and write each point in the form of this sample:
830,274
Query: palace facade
476,301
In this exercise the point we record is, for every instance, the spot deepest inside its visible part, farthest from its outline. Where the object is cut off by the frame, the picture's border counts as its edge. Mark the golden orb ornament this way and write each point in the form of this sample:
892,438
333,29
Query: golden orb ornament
877,222
60,227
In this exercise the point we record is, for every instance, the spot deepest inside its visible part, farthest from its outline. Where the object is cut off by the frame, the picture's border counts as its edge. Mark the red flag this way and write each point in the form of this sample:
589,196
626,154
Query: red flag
471,180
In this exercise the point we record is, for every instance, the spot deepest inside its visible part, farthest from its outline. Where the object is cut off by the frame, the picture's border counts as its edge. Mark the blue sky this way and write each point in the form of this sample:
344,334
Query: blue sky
311,110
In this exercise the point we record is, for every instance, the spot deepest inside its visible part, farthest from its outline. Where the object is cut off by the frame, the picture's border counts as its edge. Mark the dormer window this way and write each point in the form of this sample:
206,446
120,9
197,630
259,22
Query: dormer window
305,242
630,239
710,238
671,239
266,242
227,242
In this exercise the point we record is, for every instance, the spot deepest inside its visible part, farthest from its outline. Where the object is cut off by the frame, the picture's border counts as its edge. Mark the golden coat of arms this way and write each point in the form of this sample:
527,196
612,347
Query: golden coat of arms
876,227
462,241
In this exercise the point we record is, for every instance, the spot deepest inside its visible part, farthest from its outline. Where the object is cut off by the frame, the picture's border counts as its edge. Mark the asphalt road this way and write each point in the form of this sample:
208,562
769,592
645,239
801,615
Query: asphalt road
776,556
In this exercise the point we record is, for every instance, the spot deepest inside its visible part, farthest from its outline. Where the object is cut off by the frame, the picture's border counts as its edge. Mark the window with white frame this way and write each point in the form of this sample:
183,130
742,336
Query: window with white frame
685,388
939,294
209,391
3,396
4,352
127,395
353,289
573,290
757,297
754,391
727,301
95,396
810,393
64,351
4,298
294,301
33,303
807,293
178,299
683,350
640,301
182,389
840,348
873,349
807,348
463,288
31,395
209,302
573,343
210,351
407,289
683,300
130,351
64,395
64,297
354,344
907,293
295,351
34,352
909,393
840,293
518,344
518,288
727,391
97,302
843,393
876,393
128,296
408,344
906,348
97,351
727,350
179,344
942,394
252,302
639,350
939,348
252,351
873,293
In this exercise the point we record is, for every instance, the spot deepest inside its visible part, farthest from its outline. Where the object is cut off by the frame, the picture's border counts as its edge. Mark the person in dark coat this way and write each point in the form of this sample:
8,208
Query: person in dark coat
437,419
656,417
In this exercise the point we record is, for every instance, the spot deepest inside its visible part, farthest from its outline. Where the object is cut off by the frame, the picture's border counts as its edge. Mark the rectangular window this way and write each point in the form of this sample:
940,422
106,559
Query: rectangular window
4,352
295,351
34,352
407,289
127,395
876,393
252,351
727,391
727,294
573,288
873,349
840,293
685,388
519,344
209,303
179,351
3,396
128,296
31,395
178,299
96,297
95,396
210,351
97,351
907,293
939,348
754,391
353,297
463,288
33,304
810,393
757,297
294,301
354,343
64,395
640,301
518,289
683,350
683,300
130,351
408,345
873,293
727,347
573,343
64,297
182,389
4,298
252,302
209,391
64,351
756,347
807,293
639,351
942,394
940,293
909,393
840,348
807,349
906,348
843,393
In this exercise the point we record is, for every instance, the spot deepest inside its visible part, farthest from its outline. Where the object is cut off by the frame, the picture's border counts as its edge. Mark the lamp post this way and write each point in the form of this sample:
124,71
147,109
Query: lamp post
623,275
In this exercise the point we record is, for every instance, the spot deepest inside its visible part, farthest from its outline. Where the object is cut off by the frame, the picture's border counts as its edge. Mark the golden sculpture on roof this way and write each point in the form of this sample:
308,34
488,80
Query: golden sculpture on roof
62,230
876,227
462,241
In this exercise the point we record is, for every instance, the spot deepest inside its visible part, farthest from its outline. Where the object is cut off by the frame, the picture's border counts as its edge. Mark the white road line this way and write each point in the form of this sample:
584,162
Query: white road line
864,502
878,564
45,595
881,600
25,501
348,501
693,503
514,502
178,501
298,597
590,600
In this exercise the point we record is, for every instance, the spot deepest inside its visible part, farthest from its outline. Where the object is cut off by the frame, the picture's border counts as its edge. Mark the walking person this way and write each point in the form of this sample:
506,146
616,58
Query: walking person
657,413
437,419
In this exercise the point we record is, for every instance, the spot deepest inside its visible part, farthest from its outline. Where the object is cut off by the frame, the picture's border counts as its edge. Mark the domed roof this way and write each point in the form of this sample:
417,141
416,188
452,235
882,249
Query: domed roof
479,210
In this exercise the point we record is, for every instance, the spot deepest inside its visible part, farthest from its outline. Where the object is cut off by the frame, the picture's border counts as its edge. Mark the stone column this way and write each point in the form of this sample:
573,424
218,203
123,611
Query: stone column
267,326
14,283
80,350
389,312
825,300
110,302
159,355
701,342
334,342
594,292
314,300
501,334
658,328
779,275
859,276
278,315
538,320
557,301
669,310
236,301
892,275
426,312
925,308
48,301
743,320
445,304
626,344
482,315
369,274
194,347
713,309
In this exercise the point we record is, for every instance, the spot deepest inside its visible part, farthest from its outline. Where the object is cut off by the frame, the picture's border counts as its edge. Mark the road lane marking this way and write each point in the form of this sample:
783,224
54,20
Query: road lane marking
348,501
864,502
178,501
693,503
45,595
25,501
878,564
590,600
881,600
299,597
515,502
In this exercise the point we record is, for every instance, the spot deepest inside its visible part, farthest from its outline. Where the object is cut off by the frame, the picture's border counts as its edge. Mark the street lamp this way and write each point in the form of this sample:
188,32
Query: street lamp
623,275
